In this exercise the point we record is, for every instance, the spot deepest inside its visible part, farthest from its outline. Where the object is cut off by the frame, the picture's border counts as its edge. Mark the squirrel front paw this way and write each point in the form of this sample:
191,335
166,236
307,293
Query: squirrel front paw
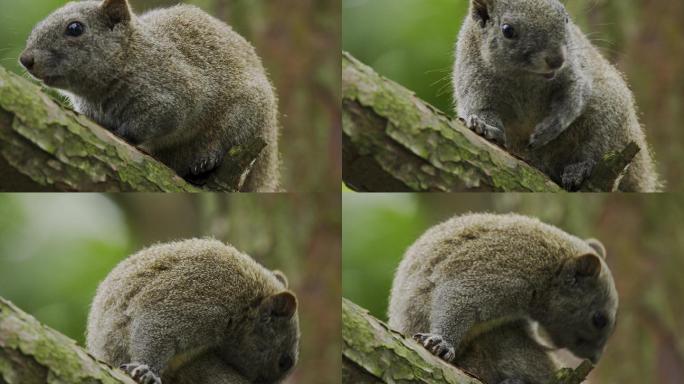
545,132
436,345
485,130
574,175
141,373
206,164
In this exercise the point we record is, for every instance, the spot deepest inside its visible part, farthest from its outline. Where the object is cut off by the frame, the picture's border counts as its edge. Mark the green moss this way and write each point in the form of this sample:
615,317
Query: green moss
74,152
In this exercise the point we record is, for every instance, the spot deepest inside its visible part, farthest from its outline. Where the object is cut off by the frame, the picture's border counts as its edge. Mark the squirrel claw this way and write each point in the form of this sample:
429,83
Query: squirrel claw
203,166
436,345
485,130
141,373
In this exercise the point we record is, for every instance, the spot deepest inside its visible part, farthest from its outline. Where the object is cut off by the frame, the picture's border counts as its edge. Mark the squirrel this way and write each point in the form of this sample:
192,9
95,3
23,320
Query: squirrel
176,310
176,82
527,78
475,273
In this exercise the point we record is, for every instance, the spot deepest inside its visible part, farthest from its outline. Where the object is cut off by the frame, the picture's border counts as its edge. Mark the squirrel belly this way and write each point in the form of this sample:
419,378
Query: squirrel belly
526,77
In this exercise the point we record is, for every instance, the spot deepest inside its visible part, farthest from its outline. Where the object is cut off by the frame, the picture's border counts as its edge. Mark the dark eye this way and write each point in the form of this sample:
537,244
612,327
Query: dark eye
75,29
599,320
567,19
508,31
285,362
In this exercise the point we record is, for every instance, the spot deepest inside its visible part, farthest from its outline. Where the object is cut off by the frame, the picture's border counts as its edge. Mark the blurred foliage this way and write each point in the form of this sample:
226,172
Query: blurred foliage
56,248
299,43
643,234
412,42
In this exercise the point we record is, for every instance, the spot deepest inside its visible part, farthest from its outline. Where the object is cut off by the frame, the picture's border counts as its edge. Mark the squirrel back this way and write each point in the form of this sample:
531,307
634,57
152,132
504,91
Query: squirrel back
478,272
173,304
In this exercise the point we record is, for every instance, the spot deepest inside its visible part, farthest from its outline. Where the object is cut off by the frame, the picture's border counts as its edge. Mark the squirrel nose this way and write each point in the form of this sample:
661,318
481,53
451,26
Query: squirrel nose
27,60
555,61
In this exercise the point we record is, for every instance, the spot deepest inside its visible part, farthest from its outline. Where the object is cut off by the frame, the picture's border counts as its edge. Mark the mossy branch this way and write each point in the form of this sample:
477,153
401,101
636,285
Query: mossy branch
47,147
393,141
31,352
373,353
609,171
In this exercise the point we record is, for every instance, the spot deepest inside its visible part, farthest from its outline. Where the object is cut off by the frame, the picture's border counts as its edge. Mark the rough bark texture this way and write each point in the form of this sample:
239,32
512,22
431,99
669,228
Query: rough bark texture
31,353
608,172
395,142
46,147
373,353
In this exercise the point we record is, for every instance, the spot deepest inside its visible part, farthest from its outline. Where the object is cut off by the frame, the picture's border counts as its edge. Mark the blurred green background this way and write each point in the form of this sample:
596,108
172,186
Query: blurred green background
299,42
644,236
412,42
56,248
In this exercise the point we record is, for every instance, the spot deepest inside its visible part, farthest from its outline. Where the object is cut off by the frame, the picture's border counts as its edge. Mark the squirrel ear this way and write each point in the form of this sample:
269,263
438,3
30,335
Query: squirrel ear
283,304
598,247
117,11
481,10
588,265
281,277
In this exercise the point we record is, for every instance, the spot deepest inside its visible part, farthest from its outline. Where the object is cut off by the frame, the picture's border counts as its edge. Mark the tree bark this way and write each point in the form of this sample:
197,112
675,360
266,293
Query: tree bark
373,353
31,353
47,147
394,142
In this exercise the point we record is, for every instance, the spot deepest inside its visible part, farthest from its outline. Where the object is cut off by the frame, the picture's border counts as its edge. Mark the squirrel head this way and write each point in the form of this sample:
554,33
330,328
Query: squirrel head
522,37
79,46
581,305
269,348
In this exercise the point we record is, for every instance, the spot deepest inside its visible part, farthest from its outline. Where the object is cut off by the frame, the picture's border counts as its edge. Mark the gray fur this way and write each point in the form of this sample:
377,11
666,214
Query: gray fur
477,273
185,309
509,354
562,121
176,82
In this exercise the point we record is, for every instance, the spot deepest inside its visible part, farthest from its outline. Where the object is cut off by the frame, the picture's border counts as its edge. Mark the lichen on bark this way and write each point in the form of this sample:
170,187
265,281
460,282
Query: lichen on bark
46,146
31,353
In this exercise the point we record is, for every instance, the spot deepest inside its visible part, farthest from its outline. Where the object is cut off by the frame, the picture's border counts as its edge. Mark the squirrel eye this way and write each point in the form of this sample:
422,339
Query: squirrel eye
75,29
508,31
599,319
285,363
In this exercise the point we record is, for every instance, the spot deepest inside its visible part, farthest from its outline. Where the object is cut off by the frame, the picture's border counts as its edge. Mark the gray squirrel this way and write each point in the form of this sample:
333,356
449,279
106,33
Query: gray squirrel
195,311
527,78
178,83
474,284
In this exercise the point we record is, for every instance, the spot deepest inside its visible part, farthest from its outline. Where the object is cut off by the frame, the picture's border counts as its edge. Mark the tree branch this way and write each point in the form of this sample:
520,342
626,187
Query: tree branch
609,171
393,141
373,353
45,146
33,353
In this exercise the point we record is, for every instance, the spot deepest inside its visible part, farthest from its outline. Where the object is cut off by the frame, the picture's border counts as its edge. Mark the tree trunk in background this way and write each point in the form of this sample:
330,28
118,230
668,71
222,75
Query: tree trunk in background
300,235
643,38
